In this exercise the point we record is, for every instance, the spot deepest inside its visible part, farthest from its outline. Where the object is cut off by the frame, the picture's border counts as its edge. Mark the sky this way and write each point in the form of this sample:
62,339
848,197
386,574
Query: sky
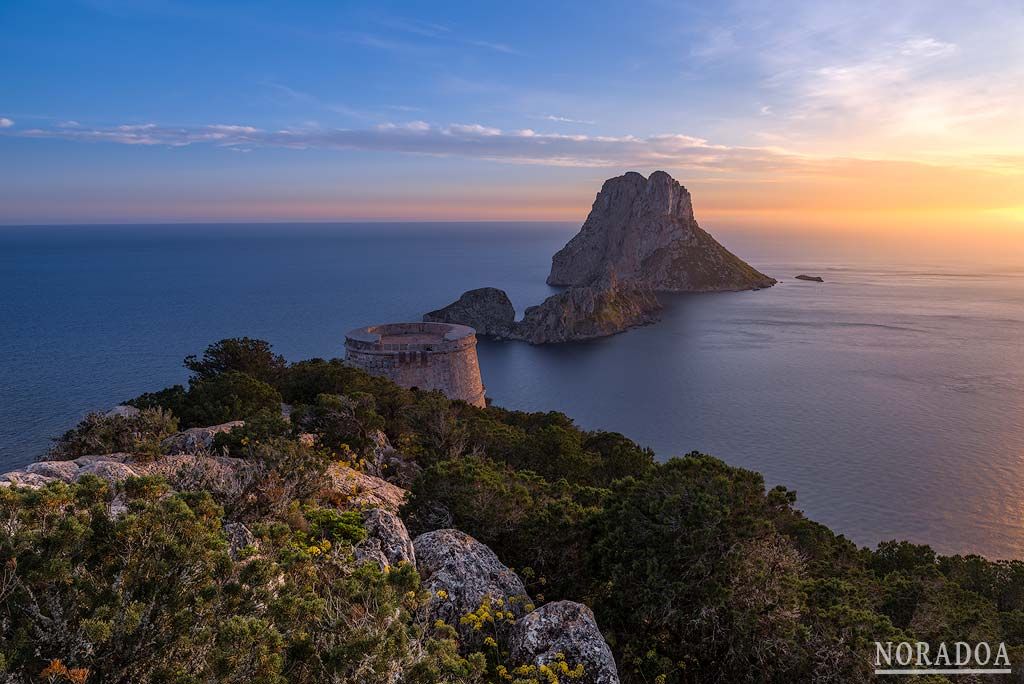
833,115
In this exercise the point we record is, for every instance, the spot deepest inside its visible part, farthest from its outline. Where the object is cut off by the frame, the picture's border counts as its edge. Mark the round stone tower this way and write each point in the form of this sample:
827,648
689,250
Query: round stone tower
430,356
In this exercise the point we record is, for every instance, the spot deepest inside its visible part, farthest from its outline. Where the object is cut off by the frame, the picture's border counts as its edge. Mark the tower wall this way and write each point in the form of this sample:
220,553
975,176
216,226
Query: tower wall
430,356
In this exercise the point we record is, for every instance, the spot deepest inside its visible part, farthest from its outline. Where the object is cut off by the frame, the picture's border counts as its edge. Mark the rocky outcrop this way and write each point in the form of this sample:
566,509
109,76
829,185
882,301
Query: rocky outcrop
123,411
488,310
813,279
643,230
239,539
564,631
362,490
603,308
387,541
110,467
387,463
196,440
461,574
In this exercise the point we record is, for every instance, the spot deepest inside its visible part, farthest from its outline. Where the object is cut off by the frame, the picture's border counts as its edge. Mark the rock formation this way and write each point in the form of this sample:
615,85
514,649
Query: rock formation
643,229
387,541
564,629
813,279
461,573
605,307
196,440
487,309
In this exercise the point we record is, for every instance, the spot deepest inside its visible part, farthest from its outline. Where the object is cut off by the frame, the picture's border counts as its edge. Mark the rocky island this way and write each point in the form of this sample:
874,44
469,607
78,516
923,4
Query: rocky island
603,308
640,238
643,229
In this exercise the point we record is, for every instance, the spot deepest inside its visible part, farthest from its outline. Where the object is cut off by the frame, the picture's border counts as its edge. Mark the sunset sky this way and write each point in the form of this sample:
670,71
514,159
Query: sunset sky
837,114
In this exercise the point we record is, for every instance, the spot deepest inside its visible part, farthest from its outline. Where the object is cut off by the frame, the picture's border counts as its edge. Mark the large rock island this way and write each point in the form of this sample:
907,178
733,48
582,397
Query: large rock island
643,230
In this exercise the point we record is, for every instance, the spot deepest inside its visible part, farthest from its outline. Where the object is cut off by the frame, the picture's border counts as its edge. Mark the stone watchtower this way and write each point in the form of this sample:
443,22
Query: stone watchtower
430,356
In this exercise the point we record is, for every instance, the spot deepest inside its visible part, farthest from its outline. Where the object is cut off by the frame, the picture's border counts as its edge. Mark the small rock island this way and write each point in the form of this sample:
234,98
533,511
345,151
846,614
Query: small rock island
813,279
640,238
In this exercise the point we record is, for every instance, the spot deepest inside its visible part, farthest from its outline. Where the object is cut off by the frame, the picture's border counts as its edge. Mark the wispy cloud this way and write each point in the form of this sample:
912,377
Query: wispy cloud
565,119
5,122
520,146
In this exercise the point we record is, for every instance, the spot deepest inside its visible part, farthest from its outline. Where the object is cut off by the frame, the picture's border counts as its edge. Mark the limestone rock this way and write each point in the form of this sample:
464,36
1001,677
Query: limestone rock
60,470
124,411
111,471
644,230
387,541
20,478
385,462
813,279
239,538
465,572
487,309
602,308
364,490
568,628
196,440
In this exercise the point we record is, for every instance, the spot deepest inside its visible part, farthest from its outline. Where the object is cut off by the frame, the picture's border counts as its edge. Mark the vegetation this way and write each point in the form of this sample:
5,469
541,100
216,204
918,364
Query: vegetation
695,572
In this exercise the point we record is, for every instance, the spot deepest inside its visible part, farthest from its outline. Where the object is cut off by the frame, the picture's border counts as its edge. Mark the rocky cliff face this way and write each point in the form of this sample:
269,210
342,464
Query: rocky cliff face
643,230
488,310
604,307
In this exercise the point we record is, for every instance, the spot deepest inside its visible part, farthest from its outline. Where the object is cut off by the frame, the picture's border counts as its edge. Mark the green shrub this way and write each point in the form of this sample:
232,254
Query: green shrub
99,433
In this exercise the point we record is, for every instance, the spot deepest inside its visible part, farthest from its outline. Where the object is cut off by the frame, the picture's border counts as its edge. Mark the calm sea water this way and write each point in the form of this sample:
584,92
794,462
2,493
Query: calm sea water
891,398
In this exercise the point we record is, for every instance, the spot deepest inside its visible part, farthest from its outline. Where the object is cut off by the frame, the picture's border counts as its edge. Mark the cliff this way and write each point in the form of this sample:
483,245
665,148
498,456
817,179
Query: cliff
643,230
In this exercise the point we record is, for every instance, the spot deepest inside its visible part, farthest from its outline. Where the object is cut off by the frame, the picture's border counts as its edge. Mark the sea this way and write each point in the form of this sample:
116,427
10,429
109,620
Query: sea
890,397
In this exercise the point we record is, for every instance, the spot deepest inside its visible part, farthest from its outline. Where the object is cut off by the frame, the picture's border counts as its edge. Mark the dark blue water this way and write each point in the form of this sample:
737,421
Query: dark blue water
891,397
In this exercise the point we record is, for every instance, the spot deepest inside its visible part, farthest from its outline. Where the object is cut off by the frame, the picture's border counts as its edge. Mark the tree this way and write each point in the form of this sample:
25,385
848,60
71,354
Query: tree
241,354
227,396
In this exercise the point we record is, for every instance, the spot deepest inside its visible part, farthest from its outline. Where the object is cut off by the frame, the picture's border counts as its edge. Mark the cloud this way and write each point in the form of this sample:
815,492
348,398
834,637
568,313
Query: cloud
565,119
520,146
5,122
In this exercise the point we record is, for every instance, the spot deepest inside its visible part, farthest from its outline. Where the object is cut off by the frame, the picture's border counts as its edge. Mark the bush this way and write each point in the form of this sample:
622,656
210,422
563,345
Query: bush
99,433
265,426
225,397
341,423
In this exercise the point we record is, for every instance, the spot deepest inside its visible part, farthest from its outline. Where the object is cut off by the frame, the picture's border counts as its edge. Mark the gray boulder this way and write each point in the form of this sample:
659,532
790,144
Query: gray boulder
644,230
387,542
488,310
123,411
462,574
239,538
65,471
111,471
20,478
196,440
564,631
